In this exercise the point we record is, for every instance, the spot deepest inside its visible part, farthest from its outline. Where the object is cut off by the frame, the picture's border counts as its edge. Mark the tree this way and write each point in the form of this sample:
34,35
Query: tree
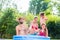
7,4
55,7
37,6
7,24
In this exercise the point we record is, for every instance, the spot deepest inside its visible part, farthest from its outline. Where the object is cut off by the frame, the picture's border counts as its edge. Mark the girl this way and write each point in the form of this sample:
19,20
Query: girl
43,31
34,26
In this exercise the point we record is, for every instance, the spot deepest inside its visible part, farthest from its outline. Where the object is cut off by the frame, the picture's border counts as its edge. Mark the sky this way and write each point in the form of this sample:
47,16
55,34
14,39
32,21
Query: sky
54,8
22,5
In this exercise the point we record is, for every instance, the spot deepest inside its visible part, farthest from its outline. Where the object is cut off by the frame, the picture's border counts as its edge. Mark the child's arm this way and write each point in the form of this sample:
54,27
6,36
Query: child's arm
46,18
38,32
46,32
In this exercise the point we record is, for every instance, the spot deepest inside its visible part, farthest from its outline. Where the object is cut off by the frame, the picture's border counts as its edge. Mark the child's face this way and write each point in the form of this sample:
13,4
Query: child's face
42,16
43,26
36,19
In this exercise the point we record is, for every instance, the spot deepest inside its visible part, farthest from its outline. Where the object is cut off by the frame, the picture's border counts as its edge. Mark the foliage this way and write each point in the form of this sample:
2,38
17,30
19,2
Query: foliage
9,16
7,23
53,26
37,6
6,4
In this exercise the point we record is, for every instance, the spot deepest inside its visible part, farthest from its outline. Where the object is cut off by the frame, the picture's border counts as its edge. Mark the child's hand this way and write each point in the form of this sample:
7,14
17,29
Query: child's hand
46,18
37,30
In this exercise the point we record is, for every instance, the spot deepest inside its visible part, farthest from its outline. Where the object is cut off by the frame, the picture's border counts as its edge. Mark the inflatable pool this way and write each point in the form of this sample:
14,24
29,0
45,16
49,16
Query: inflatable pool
30,37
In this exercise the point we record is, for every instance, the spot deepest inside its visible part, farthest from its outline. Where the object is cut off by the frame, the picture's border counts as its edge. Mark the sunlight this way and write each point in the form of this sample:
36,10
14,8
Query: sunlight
54,8
22,5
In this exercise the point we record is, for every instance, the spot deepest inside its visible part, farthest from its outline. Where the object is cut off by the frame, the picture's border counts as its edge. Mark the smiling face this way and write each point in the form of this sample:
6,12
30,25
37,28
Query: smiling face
43,26
35,19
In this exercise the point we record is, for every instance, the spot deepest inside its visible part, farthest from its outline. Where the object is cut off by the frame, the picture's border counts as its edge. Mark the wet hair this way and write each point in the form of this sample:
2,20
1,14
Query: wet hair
42,14
20,18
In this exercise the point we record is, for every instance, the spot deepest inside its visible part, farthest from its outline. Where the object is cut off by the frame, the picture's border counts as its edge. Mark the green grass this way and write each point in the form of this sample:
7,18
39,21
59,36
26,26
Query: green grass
55,39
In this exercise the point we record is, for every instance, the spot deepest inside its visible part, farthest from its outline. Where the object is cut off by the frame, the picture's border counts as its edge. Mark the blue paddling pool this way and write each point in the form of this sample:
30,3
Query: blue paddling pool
30,37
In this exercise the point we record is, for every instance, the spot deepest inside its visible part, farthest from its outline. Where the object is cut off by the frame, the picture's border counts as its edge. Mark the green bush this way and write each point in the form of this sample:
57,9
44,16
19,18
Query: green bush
53,26
7,24
50,26
57,28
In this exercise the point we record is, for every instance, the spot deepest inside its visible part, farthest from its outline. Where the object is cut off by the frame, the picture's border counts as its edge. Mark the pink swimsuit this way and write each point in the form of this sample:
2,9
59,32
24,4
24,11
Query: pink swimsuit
33,27
42,33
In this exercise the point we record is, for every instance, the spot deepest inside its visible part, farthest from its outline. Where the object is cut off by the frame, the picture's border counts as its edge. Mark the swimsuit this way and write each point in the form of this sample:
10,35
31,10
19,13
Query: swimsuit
42,33
35,28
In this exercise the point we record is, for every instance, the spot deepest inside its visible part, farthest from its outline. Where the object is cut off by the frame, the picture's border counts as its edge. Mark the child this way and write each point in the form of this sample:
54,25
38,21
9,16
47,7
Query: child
43,18
22,28
43,31
34,26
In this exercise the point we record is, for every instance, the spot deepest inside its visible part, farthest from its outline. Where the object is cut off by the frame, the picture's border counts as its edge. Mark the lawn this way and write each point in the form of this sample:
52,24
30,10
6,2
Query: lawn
55,39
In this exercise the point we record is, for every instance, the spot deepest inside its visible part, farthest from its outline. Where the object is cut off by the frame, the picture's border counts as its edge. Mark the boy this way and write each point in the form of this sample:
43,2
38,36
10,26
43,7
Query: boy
43,18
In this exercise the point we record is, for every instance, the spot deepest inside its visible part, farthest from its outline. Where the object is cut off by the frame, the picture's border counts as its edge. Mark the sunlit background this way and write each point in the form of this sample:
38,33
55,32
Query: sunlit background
23,5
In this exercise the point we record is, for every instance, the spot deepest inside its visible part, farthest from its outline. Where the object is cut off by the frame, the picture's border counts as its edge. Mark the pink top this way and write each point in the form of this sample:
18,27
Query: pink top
33,27
42,33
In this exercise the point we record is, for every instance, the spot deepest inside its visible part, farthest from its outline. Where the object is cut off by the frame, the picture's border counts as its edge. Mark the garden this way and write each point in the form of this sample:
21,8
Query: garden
9,16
